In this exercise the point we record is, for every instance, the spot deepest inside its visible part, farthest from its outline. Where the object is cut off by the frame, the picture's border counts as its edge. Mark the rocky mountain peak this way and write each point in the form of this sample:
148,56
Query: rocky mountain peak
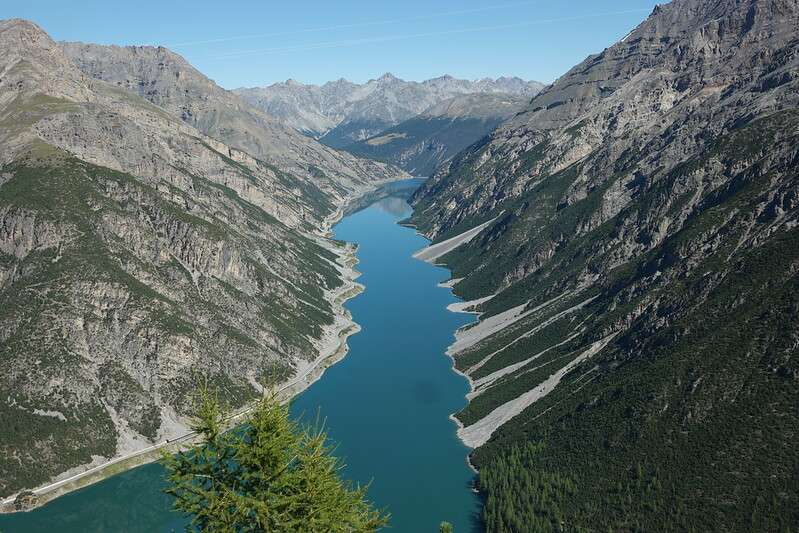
166,79
23,29
34,62
388,77
684,47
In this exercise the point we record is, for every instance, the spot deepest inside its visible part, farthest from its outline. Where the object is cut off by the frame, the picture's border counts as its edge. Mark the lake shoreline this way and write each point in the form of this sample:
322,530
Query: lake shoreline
392,369
398,365
458,423
332,347
428,255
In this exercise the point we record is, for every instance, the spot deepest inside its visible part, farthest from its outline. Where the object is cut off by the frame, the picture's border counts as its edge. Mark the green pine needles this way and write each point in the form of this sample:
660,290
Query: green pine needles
270,474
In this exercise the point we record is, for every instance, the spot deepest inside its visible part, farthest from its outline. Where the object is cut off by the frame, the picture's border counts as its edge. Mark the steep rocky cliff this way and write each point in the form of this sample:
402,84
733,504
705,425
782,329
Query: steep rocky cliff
422,143
341,112
140,255
636,365
168,81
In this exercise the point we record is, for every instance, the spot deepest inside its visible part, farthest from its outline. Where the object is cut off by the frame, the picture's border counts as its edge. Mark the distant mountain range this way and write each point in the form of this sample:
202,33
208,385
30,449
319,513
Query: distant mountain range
340,113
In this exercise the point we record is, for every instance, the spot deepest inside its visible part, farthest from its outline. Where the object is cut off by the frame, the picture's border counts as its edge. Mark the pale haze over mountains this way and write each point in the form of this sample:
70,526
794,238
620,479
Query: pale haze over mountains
340,112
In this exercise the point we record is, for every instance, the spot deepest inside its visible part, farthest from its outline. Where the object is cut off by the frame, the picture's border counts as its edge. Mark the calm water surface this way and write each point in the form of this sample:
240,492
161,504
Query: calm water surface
386,405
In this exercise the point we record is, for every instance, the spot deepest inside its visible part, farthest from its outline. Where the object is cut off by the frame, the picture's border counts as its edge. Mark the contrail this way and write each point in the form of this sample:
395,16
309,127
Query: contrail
354,25
370,40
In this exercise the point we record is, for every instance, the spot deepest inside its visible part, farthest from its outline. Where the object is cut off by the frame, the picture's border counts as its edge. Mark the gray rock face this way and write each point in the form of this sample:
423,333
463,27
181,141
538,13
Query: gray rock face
168,81
422,143
674,76
341,112
640,266
140,254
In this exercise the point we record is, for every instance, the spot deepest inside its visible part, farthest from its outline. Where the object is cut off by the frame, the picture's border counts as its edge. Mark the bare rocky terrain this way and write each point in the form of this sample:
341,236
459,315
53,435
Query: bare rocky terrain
165,79
155,231
636,366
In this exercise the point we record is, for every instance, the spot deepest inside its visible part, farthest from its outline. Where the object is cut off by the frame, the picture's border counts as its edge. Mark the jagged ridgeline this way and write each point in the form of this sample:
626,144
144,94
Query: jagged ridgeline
341,113
151,231
637,363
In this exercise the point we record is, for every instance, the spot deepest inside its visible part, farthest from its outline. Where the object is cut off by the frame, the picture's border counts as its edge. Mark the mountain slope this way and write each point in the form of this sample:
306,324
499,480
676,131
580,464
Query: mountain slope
138,256
422,143
341,112
636,365
168,81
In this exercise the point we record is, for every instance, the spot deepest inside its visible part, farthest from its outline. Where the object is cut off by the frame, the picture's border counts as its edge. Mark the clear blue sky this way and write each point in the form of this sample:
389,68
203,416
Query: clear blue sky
261,42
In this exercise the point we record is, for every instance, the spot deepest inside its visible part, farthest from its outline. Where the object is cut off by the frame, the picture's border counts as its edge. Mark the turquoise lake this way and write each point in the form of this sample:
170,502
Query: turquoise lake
386,405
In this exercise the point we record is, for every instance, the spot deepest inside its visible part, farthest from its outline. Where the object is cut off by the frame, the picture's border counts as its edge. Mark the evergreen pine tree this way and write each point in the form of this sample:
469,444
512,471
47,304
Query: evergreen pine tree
268,475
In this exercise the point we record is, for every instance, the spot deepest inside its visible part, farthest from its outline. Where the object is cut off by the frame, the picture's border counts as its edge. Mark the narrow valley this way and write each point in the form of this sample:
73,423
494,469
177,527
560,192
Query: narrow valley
390,397
449,300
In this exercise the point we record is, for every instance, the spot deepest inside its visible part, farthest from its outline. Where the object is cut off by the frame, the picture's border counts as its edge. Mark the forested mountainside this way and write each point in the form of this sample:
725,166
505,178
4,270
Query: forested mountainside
139,255
341,112
422,143
636,365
